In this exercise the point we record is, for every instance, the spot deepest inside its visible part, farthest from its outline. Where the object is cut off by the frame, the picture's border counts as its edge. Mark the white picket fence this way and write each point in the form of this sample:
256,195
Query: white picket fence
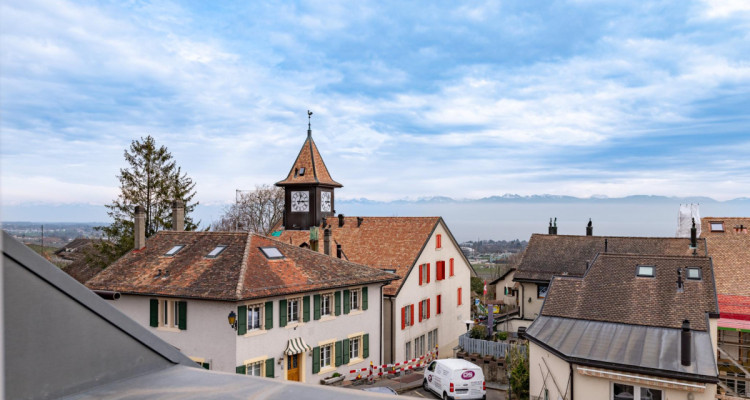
486,347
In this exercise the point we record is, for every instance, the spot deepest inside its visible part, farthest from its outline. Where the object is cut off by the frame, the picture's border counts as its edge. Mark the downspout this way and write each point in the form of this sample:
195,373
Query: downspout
523,301
572,376
393,330
380,360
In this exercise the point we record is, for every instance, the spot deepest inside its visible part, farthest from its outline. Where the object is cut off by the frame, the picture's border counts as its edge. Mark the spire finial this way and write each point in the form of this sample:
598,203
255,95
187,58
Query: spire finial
309,128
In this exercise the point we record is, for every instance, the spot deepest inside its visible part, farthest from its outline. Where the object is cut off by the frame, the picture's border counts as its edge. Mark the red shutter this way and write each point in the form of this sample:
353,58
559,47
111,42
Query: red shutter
438,243
403,317
442,270
451,267
421,310
438,304
459,296
412,314
420,274
428,272
428,308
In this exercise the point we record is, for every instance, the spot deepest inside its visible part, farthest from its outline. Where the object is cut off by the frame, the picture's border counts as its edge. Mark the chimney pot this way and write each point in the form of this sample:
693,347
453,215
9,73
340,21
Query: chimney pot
693,235
359,221
327,242
606,244
590,229
338,251
139,228
685,343
341,220
178,216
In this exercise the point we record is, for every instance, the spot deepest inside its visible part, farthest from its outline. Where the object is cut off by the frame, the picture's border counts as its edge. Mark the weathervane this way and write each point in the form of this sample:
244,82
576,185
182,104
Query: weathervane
309,129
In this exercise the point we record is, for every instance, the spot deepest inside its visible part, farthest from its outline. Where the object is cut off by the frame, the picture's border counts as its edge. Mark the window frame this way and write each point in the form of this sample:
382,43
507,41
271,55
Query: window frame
331,355
169,314
271,257
636,390
293,310
407,350
407,315
355,299
352,347
261,369
174,250
640,274
714,224
326,303
541,294
687,273
419,343
261,317
220,248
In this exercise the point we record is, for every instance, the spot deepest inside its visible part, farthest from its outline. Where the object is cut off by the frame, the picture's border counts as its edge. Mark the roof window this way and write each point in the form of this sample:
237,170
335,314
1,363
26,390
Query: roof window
216,251
271,253
694,273
174,250
645,271
301,171
717,226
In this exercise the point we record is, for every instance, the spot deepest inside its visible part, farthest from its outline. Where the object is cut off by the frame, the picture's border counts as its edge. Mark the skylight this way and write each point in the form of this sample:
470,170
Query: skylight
216,251
271,253
694,273
174,250
301,171
645,270
717,226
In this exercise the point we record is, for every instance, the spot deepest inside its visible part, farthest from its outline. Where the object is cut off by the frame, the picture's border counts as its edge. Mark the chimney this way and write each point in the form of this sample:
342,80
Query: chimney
341,220
590,229
685,343
338,251
552,229
327,242
693,239
314,238
178,216
606,244
359,221
680,286
139,228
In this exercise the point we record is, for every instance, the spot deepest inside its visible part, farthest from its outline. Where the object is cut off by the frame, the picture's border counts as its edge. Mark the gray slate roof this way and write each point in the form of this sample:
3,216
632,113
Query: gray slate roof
645,349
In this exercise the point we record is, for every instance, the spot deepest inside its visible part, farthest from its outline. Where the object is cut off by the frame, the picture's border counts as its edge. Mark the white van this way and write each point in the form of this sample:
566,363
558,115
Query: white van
453,378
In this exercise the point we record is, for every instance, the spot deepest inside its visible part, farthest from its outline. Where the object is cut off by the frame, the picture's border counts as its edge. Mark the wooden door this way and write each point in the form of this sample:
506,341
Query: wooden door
292,368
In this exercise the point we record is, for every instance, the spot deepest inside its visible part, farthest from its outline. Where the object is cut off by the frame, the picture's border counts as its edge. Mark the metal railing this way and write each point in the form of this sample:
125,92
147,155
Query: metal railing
486,347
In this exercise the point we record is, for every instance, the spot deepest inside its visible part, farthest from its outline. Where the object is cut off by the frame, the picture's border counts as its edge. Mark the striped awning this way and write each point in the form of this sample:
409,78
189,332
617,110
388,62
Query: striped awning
296,346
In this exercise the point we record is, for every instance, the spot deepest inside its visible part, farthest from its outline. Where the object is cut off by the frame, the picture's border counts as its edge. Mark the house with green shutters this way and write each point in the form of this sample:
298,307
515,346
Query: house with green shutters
245,303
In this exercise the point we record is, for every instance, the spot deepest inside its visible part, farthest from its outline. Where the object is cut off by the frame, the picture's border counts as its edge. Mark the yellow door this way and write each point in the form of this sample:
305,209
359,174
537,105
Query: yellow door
292,368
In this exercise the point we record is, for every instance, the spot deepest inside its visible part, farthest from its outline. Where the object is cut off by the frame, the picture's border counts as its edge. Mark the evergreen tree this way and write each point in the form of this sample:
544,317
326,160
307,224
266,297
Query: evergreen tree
153,181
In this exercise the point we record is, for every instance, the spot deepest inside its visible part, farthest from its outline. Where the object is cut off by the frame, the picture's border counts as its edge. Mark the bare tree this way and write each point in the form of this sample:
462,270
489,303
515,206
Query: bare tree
255,211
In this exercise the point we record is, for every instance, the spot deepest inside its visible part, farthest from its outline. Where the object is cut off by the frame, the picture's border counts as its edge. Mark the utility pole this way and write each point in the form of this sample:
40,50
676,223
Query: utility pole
42,240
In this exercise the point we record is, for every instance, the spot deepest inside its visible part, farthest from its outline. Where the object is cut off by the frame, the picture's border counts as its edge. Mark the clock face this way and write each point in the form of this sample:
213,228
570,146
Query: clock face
300,201
325,201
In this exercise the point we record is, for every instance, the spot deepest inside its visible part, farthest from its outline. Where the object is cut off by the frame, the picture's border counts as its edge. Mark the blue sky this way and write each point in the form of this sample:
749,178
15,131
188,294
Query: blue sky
467,100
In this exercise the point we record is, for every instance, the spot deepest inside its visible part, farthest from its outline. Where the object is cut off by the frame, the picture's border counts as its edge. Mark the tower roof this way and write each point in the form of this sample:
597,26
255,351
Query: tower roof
309,167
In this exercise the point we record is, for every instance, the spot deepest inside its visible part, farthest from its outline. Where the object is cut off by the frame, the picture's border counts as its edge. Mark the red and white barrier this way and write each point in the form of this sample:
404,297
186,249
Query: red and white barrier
396,368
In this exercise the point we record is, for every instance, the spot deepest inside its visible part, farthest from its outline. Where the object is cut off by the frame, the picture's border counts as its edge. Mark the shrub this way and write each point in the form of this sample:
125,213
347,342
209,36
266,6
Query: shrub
502,336
478,332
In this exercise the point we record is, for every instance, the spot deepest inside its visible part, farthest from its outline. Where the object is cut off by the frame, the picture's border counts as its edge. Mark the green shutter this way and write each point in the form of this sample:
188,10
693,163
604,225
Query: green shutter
316,360
339,353
345,343
269,368
366,345
240,370
269,316
364,298
154,315
241,320
282,313
206,366
316,307
346,301
337,300
306,309
182,315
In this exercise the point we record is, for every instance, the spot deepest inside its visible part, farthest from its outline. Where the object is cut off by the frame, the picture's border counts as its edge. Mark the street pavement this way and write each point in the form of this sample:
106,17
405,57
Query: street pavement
411,386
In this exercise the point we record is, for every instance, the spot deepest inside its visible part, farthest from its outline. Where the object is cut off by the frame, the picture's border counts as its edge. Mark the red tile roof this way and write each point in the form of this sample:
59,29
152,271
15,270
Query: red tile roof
734,307
315,169
379,242
240,272
730,251
611,292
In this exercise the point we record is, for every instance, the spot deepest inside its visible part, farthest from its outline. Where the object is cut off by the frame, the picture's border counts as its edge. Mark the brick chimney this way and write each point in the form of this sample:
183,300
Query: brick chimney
338,251
178,216
139,228
590,228
341,220
327,242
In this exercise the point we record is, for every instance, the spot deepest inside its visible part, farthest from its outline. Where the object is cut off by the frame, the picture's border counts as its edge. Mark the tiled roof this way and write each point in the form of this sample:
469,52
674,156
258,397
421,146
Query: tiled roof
611,292
240,272
548,255
734,307
74,249
730,251
81,270
379,242
315,169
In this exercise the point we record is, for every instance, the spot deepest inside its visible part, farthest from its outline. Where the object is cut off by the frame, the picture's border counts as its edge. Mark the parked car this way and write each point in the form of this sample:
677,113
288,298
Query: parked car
454,378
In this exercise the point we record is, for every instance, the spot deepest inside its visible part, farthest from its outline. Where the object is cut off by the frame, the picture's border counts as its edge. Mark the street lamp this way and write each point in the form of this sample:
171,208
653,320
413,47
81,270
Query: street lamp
232,318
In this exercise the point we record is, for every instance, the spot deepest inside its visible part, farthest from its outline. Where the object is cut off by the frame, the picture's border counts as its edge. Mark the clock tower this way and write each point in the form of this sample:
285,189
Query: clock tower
308,188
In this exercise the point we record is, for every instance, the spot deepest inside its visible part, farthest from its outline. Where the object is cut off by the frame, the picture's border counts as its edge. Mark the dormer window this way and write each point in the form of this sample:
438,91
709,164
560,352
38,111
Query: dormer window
174,250
216,251
272,253
645,271
717,226
694,273
301,171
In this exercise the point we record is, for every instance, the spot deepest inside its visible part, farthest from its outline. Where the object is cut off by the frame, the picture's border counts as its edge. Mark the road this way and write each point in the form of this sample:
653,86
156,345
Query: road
423,394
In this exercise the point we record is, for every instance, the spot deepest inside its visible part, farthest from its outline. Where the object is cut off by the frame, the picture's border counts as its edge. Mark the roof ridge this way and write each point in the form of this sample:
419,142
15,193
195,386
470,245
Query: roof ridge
243,266
666,256
611,237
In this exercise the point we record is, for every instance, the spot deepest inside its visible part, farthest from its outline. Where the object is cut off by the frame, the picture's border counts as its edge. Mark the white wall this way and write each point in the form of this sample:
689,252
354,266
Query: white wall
531,309
500,289
450,323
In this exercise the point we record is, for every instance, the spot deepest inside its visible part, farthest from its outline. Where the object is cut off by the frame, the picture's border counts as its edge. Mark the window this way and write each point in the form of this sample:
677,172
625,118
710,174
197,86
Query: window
424,309
301,171
541,291
407,316
694,273
459,296
325,304
254,317
424,273
438,241
407,351
432,340
292,310
174,250
326,355
165,313
451,267
216,251
272,253
621,391
439,305
717,226
354,300
419,346
440,270
645,271
255,369
354,347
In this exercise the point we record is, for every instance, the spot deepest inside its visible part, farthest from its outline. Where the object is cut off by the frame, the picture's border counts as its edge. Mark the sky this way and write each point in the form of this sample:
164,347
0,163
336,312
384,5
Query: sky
410,99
